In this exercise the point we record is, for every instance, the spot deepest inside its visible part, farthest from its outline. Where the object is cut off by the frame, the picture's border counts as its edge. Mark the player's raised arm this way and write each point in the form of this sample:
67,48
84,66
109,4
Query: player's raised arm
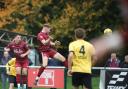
45,42
26,47
25,54
56,43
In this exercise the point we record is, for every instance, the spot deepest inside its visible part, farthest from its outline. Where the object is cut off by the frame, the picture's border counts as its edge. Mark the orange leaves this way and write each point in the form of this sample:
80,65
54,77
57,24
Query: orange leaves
70,10
20,29
63,15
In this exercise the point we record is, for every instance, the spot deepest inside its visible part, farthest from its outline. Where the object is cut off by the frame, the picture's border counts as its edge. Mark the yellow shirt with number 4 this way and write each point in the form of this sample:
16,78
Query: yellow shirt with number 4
82,59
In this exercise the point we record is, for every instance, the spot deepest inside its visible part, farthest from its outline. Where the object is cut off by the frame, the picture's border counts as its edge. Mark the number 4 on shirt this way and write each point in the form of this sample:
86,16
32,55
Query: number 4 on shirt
82,49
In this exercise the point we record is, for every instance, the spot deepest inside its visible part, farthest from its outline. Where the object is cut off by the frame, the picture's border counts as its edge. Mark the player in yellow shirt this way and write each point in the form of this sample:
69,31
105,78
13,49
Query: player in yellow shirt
11,71
80,60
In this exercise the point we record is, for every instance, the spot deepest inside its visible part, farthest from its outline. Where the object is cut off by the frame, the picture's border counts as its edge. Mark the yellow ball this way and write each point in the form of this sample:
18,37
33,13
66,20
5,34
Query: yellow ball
107,31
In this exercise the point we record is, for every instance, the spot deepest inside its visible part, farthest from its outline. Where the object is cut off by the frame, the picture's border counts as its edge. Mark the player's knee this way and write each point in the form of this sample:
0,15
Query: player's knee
24,73
18,72
63,59
44,65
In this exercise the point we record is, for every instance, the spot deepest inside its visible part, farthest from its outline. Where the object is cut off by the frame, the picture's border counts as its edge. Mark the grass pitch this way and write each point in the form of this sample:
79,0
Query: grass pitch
95,83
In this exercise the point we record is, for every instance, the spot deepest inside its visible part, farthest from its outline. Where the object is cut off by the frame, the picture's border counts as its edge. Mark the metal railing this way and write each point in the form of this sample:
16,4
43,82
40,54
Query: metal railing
102,73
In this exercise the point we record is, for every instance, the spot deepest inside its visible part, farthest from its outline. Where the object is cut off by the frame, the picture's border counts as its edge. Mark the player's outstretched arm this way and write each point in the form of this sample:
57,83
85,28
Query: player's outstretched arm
25,54
45,42
56,43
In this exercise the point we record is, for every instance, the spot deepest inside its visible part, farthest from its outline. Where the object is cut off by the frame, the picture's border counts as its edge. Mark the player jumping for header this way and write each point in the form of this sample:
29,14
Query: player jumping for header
46,49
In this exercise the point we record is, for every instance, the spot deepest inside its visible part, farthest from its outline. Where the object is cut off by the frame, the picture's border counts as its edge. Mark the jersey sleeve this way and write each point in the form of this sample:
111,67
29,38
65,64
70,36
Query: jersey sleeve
71,48
9,46
26,46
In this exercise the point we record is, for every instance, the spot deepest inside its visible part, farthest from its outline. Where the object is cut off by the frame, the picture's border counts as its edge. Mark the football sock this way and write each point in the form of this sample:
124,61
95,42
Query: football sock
24,79
24,86
40,71
18,78
18,86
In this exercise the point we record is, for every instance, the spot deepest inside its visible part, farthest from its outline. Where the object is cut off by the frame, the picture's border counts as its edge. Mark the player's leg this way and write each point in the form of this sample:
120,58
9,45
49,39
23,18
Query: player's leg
76,80
87,83
18,73
11,81
54,54
24,77
43,66
15,83
18,76
61,58
25,64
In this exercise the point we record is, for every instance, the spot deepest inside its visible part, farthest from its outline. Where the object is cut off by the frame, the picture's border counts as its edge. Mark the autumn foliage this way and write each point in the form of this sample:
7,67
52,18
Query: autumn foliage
28,16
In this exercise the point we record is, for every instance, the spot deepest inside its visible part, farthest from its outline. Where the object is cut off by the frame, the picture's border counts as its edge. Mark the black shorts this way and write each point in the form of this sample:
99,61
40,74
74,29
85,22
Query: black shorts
12,79
81,79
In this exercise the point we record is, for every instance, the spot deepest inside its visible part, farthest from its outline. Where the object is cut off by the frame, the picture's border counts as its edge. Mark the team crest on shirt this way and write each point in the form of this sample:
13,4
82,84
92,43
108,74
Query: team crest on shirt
18,51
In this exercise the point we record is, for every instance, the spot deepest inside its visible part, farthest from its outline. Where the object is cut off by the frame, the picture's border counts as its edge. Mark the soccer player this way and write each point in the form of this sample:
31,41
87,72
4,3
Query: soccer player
11,71
46,50
21,51
80,60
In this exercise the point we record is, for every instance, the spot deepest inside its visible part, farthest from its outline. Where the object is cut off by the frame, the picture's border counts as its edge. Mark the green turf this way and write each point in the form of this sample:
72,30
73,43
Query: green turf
95,83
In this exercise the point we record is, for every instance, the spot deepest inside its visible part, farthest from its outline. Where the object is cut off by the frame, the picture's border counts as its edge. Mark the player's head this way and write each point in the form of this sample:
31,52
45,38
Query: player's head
46,28
79,33
17,39
107,31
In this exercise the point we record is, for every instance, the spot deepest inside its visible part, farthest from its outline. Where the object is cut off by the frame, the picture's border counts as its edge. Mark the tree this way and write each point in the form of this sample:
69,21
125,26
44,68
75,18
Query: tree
28,16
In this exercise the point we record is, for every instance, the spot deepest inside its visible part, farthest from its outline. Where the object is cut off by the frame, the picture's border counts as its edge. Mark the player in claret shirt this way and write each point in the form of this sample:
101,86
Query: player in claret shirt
21,51
46,49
